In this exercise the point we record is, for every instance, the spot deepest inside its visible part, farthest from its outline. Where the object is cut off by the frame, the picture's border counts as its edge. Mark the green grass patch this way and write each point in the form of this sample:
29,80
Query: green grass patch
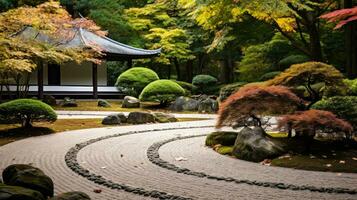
225,150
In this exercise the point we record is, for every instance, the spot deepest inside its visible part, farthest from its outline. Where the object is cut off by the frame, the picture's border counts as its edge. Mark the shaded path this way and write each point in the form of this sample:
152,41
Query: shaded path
124,160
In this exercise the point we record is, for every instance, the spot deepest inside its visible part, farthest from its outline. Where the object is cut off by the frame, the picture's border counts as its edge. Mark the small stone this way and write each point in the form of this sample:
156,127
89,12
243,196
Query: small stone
328,165
181,159
97,191
342,162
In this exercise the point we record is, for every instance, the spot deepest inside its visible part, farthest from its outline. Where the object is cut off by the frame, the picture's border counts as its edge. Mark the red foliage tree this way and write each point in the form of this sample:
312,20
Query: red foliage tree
251,101
342,16
307,123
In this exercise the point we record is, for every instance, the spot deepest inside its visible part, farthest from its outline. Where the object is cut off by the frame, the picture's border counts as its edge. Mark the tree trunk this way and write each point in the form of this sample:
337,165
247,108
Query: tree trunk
201,60
177,67
314,35
189,71
169,72
27,122
351,45
227,70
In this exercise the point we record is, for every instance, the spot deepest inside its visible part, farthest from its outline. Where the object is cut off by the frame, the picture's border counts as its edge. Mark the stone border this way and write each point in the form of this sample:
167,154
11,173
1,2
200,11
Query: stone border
154,157
72,163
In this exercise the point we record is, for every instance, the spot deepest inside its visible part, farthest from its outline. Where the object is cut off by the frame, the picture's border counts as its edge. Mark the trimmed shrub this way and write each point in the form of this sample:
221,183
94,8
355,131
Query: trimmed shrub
344,107
269,75
188,87
163,91
227,90
134,80
205,84
292,60
308,74
26,111
352,86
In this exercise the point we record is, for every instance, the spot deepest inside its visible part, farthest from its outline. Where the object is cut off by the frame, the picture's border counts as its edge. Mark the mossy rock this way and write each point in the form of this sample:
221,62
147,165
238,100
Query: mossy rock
19,193
164,118
28,177
103,103
136,79
223,138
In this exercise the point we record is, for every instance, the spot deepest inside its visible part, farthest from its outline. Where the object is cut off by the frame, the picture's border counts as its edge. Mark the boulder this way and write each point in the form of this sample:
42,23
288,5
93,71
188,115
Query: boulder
50,100
68,102
184,104
28,177
103,103
122,117
130,102
72,196
164,117
111,120
19,193
208,105
254,145
140,118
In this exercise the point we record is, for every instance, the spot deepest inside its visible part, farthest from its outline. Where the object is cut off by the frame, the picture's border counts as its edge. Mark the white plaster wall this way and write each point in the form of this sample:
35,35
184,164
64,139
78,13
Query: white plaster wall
74,74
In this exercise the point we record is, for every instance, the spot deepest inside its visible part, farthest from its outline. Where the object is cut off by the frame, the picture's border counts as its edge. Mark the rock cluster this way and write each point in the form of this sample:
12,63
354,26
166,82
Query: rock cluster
26,182
138,118
202,103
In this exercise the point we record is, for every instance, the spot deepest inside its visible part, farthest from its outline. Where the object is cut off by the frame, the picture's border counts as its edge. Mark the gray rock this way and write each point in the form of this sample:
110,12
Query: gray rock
68,102
50,100
254,145
103,103
72,196
164,117
140,118
19,193
28,177
111,120
122,117
184,104
130,102
208,105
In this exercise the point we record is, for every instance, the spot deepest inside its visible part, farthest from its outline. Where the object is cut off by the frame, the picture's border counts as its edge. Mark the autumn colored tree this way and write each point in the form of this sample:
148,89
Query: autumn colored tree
308,74
250,102
307,123
348,18
19,56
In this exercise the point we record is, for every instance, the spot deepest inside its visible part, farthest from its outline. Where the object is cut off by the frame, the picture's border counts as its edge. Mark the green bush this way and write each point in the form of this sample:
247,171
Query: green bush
26,111
344,107
227,90
136,79
163,91
269,75
222,138
205,84
352,86
292,60
188,87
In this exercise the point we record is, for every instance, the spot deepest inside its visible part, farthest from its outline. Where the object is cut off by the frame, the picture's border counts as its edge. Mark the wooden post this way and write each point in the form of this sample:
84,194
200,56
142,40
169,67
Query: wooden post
130,63
95,80
40,80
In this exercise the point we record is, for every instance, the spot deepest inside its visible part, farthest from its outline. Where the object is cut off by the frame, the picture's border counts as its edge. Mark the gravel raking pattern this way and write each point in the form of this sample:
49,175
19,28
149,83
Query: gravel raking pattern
139,162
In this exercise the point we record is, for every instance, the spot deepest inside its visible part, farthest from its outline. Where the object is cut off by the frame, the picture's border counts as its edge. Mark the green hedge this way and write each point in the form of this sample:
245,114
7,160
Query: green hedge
134,80
227,90
292,60
26,111
343,106
352,86
163,91
188,87
269,75
205,84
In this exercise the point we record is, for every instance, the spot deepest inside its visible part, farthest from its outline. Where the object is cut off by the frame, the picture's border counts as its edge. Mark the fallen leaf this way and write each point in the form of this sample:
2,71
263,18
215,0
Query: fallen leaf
342,161
104,167
181,159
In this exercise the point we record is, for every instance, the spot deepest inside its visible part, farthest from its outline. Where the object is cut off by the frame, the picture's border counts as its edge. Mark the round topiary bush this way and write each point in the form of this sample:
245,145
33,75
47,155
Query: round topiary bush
188,87
344,107
26,111
206,84
163,91
135,79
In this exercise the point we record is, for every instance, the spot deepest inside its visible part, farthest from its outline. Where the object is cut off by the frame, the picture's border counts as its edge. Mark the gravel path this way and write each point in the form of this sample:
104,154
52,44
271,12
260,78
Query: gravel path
124,160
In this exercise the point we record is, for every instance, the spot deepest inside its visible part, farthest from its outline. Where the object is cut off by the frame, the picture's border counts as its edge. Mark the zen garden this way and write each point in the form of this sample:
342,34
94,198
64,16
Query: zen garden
178,99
